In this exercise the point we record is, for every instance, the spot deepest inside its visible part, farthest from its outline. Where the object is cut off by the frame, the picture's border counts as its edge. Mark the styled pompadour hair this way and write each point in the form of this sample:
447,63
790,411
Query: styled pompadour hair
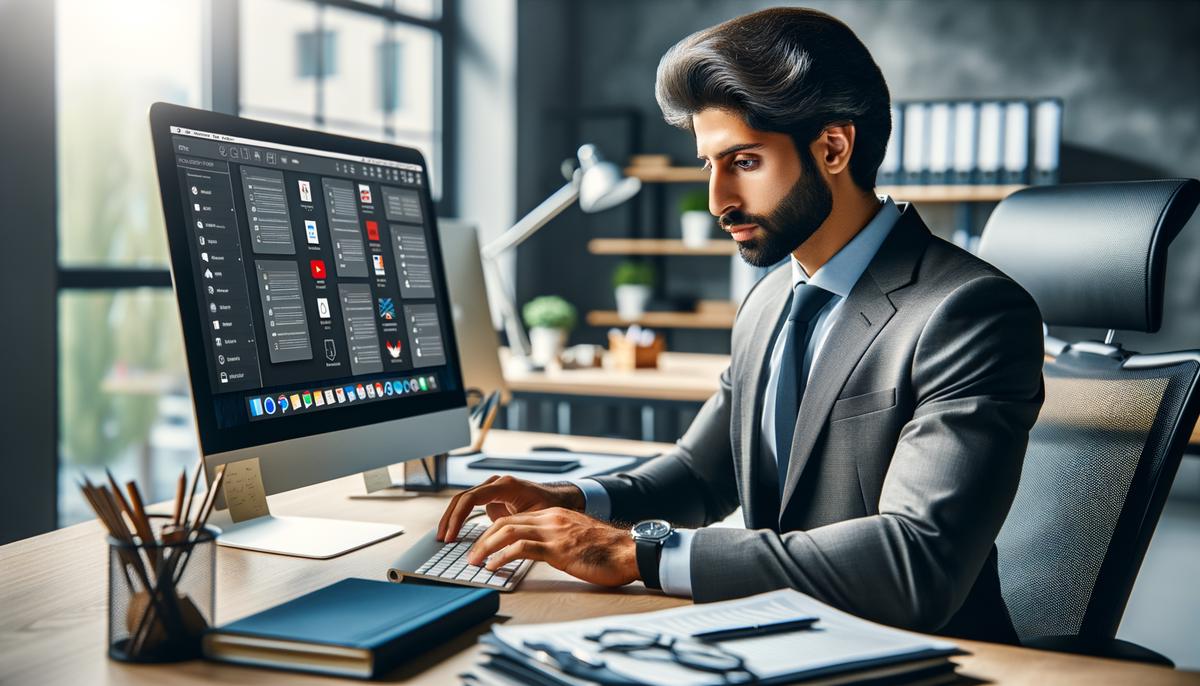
785,70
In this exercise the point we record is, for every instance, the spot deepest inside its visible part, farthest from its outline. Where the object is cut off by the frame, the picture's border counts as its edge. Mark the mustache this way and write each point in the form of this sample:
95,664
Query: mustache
738,217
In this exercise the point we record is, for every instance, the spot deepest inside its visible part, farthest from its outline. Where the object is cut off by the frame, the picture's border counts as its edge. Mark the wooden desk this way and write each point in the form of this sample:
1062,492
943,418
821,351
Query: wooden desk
53,602
685,377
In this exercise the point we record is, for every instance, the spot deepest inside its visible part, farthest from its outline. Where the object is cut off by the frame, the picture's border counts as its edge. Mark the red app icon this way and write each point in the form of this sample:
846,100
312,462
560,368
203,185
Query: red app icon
318,268
379,388
372,230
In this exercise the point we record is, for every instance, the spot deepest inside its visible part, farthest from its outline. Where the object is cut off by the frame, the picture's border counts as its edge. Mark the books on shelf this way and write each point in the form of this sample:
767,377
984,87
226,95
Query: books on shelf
970,142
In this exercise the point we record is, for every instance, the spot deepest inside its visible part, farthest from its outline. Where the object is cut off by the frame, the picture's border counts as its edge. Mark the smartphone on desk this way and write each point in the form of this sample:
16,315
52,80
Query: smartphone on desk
519,464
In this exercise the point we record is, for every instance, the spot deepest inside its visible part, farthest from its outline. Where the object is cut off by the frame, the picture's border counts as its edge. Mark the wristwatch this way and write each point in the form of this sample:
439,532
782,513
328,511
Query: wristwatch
649,536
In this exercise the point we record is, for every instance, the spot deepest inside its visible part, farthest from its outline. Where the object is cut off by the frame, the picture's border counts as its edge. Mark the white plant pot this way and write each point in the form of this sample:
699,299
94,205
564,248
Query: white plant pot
697,226
546,344
631,301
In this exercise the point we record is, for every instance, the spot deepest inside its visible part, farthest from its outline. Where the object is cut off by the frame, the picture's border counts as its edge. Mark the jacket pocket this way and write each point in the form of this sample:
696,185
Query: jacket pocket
862,404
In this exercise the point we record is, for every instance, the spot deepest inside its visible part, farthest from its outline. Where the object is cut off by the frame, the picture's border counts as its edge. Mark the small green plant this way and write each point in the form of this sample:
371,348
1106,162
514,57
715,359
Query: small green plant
631,273
695,201
549,311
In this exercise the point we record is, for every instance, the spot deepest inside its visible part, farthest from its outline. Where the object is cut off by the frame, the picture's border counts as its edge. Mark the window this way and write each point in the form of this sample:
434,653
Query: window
368,70
120,366
365,69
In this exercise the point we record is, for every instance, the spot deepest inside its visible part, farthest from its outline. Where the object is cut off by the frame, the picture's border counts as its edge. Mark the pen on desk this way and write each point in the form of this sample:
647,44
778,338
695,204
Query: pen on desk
755,630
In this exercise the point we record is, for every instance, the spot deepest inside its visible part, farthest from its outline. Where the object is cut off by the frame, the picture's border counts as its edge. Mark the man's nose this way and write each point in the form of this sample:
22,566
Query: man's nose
721,197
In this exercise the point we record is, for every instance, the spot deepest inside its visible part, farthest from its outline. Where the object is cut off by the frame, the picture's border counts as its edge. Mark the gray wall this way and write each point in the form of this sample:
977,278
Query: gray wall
1127,72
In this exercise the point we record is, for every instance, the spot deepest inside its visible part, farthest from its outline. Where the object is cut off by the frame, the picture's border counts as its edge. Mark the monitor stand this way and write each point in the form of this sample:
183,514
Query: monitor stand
310,537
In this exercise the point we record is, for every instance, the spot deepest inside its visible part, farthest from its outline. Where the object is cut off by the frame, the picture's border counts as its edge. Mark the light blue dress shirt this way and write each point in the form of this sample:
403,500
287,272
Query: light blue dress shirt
837,276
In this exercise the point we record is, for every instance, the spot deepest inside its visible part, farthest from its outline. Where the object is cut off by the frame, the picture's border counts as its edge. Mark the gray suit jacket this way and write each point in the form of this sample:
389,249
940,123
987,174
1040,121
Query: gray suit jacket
907,450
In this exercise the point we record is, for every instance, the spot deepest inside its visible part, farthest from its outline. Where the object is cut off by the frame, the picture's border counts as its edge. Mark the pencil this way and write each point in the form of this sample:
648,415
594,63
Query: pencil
116,489
179,496
211,500
142,523
187,507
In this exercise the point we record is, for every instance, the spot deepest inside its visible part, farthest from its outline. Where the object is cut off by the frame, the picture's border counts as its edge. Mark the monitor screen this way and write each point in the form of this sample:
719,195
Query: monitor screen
309,278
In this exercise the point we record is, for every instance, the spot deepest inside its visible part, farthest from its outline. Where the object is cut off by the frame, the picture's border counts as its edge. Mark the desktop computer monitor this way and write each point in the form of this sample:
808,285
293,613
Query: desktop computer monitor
316,321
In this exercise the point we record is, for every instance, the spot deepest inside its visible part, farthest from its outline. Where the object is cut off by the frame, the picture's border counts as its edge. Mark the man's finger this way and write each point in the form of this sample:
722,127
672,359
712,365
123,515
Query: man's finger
444,522
497,538
445,519
461,505
521,550
497,510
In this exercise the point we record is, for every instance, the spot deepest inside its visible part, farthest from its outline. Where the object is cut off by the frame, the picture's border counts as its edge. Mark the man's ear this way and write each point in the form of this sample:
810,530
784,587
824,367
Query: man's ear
831,150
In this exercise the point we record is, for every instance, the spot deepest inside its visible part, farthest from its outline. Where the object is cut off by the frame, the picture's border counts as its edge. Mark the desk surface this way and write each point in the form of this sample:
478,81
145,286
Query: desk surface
52,625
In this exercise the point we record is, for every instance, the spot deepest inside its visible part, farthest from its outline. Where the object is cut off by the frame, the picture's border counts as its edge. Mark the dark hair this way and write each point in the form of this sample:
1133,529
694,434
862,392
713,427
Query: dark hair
785,70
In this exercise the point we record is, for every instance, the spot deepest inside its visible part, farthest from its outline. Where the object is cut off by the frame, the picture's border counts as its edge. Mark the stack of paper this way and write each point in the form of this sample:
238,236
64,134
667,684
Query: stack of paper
838,649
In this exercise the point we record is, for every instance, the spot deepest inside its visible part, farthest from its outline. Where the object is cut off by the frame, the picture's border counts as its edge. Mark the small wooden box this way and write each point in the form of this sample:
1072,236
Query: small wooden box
627,355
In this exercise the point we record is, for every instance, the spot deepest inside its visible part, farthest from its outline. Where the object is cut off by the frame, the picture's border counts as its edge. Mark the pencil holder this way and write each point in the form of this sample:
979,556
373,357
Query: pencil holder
161,594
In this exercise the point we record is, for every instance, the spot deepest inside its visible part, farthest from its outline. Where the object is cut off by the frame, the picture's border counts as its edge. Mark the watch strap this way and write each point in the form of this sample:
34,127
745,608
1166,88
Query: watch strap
649,553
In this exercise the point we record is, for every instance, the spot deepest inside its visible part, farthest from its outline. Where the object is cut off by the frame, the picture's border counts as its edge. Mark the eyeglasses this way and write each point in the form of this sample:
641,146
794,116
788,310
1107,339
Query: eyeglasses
645,645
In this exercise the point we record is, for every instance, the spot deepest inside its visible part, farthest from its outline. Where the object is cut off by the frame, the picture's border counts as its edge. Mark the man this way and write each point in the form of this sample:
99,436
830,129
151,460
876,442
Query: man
882,385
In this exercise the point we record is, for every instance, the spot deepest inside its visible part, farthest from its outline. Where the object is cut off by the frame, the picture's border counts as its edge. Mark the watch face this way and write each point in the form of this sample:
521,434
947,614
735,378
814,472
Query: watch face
652,528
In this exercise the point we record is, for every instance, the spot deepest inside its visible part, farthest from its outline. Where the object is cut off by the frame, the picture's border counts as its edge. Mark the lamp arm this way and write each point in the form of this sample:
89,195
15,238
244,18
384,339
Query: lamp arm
518,340
549,208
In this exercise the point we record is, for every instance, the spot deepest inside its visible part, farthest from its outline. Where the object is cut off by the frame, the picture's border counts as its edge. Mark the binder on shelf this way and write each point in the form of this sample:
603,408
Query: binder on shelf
989,157
941,143
889,169
915,160
1016,143
966,119
1047,140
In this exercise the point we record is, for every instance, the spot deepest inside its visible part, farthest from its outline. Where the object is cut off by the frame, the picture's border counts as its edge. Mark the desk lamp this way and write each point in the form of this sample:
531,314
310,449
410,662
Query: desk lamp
598,185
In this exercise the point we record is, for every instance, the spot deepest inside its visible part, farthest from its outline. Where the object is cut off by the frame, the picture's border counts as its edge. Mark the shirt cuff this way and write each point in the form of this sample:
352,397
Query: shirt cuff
596,502
675,565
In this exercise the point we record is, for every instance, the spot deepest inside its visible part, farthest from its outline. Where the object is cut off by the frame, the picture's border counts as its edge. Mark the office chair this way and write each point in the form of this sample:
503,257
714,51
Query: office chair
1106,446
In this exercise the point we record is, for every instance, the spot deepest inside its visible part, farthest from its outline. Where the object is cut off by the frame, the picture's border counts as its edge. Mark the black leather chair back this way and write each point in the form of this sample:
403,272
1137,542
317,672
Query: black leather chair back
1106,446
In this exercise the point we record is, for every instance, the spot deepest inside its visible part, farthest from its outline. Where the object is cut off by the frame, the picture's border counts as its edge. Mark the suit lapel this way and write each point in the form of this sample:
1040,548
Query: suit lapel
859,320
755,360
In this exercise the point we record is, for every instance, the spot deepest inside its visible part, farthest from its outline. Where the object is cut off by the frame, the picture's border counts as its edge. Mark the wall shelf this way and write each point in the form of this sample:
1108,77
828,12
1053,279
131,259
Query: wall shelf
658,246
711,318
914,193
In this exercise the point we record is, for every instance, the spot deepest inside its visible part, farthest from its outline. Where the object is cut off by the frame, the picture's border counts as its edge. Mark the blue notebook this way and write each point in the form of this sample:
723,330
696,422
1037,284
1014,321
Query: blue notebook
355,627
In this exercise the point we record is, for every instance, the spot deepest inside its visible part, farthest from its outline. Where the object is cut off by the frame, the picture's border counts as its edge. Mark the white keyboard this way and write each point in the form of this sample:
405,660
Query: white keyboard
432,559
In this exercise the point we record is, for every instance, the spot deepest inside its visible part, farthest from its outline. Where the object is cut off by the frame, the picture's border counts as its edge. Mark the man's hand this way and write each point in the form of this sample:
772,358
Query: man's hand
571,541
503,496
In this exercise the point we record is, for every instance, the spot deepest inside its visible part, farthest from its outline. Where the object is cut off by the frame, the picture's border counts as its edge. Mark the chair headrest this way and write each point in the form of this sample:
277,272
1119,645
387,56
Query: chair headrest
1092,255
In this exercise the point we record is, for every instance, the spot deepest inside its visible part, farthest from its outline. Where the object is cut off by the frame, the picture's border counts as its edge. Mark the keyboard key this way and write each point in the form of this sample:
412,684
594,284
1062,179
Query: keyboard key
468,573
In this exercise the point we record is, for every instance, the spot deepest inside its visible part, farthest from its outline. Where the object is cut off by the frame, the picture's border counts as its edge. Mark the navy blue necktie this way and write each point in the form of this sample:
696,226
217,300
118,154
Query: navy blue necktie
807,302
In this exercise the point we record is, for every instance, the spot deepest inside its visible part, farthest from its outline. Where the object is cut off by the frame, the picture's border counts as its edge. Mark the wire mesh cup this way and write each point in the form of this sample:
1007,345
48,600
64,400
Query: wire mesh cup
161,594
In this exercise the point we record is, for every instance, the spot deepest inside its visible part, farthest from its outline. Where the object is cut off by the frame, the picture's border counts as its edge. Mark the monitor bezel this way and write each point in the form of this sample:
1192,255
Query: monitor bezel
213,438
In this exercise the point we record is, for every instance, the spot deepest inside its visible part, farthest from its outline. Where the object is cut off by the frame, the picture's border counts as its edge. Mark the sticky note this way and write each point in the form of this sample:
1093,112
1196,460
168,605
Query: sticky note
377,479
244,493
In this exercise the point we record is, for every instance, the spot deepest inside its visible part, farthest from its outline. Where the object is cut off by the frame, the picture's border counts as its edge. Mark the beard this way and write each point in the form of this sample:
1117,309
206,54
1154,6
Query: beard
797,217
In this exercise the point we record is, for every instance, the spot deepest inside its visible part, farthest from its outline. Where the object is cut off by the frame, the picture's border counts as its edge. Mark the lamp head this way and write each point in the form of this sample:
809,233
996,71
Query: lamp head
601,183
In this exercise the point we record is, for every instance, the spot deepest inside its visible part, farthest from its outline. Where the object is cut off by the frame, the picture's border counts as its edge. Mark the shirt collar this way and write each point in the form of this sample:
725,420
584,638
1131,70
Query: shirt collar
843,270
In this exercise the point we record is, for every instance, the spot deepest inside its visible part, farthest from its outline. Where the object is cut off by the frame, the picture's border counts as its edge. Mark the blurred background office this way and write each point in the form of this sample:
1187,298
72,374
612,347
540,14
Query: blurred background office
497,93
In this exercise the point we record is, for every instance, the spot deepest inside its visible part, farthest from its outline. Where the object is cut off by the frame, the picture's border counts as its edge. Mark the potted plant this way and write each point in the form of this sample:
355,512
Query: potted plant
694,219
632,282
549,319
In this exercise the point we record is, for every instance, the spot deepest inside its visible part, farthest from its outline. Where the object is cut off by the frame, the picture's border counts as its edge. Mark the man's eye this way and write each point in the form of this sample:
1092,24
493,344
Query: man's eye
746,164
